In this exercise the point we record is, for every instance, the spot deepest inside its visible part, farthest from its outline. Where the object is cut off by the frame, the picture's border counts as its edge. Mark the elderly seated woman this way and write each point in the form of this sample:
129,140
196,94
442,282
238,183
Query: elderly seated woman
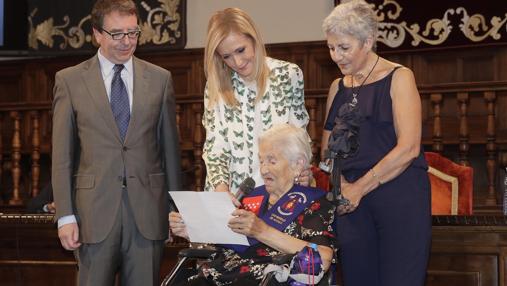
291,219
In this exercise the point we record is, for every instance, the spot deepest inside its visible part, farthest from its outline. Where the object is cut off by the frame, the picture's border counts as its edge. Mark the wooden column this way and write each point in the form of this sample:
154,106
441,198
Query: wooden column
311,105
35,152
178,120
502,163
464,145
198,144
436,102
490,98
1,150
16,157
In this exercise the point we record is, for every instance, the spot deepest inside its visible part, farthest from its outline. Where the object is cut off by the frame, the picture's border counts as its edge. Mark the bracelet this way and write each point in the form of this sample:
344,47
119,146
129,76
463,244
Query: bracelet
376,177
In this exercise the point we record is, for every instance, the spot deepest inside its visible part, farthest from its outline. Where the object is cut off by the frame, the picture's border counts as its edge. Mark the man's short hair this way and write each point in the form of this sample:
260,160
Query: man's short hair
104,7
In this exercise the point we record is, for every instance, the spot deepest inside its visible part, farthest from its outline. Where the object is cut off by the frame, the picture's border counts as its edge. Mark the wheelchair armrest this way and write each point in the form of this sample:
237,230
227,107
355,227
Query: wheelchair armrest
184,255
196,253
283,258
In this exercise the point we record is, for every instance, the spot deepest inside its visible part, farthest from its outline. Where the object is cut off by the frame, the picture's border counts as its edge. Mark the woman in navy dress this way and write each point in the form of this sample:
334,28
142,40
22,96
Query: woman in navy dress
385,231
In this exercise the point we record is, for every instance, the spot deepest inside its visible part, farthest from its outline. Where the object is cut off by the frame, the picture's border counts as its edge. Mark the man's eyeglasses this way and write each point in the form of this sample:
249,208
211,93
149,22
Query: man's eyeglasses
120,35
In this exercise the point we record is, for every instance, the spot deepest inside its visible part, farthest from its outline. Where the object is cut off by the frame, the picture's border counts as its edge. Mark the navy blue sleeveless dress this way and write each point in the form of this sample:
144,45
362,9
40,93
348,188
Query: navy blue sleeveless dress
386,240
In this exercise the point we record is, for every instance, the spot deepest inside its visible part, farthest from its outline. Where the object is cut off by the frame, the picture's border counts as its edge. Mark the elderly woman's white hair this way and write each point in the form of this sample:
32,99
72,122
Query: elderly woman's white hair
354,18
293,142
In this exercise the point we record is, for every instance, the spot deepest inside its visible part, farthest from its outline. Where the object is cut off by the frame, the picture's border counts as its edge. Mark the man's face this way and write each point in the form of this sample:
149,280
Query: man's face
117,51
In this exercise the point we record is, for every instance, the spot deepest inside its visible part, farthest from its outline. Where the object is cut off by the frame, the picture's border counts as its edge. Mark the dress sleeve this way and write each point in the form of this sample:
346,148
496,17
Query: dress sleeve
216,150
298,115
316,223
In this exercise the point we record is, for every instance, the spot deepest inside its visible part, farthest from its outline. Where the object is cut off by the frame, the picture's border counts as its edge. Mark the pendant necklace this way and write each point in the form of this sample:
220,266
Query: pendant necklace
355,94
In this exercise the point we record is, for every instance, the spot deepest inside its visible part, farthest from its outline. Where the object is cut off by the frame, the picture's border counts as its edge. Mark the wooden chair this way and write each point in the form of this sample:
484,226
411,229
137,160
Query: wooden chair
451,186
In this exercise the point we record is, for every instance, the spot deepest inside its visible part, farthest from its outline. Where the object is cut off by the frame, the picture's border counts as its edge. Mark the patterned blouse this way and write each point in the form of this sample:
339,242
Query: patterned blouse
231,149
314,224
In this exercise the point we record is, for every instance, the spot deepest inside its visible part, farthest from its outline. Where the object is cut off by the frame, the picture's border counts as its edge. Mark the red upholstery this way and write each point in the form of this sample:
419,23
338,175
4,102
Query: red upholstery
441,189
321,178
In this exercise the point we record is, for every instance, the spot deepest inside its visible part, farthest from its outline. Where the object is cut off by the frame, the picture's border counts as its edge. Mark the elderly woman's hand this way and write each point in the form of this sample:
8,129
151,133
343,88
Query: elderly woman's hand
177,225
247,223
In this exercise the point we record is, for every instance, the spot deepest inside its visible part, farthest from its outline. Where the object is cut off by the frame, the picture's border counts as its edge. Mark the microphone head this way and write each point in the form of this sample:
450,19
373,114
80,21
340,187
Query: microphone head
247,185
245,188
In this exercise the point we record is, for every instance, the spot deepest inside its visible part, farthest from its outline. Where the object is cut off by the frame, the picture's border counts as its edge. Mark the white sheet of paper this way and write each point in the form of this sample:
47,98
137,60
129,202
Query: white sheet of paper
206,215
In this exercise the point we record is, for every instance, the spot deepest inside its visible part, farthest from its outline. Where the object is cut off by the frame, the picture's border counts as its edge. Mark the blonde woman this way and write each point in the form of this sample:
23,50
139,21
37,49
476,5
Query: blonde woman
246,93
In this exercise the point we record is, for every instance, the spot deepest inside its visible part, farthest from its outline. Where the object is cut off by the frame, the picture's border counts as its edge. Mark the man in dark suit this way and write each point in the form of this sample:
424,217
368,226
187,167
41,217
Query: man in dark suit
115,154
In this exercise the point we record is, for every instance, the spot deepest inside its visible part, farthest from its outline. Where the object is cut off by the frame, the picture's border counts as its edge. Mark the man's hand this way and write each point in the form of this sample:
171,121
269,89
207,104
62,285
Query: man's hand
51,207
69,236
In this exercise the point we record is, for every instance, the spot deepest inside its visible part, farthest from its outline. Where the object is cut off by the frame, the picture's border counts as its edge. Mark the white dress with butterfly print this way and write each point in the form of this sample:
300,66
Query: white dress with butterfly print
231,150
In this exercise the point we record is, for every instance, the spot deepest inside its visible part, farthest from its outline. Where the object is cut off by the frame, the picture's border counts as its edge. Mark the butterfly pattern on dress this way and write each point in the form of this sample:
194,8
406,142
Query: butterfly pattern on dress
233,131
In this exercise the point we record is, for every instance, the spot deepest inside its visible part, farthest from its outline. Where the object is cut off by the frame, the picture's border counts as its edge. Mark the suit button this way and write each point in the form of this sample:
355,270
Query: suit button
125,148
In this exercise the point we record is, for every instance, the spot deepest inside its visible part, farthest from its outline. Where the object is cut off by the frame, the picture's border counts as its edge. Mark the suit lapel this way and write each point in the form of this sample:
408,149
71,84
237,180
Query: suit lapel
95,84
141,87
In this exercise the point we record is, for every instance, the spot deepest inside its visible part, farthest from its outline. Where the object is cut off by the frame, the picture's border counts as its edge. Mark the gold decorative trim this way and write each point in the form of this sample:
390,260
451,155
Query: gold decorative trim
45,31
27,218
37,263
436,31
161,26
454,187
470,25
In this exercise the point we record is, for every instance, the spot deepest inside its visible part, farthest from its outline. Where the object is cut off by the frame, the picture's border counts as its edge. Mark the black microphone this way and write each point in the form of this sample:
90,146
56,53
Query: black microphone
245,188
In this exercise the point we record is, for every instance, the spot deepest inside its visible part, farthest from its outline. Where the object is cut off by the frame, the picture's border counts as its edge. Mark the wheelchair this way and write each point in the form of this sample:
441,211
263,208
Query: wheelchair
181,270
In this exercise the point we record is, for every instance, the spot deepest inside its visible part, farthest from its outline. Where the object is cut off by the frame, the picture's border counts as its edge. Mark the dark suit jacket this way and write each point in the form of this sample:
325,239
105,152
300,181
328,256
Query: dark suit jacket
89,158
37,203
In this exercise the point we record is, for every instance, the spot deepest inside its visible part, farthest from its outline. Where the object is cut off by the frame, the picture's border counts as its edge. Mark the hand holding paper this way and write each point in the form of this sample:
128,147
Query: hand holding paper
206,215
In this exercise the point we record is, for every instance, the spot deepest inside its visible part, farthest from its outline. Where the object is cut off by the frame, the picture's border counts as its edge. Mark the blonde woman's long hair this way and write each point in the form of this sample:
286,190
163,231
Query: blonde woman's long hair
218,74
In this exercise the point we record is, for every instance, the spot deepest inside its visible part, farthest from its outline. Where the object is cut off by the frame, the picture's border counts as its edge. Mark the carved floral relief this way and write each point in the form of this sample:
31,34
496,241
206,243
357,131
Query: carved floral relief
395,32
161,24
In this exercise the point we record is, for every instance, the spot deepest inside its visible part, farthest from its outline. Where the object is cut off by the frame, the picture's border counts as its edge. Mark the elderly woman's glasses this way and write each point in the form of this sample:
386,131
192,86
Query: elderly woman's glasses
120,35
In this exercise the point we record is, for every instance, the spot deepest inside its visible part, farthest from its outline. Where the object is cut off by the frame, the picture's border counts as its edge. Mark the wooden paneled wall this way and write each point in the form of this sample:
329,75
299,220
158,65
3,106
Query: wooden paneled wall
463,90
465,251
31,253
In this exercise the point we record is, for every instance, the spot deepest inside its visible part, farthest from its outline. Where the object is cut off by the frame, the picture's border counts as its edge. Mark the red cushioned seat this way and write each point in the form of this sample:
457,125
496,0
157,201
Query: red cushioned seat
451,186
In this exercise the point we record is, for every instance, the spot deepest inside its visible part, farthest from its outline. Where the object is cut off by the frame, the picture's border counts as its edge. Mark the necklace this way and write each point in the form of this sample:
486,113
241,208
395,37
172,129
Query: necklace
355,94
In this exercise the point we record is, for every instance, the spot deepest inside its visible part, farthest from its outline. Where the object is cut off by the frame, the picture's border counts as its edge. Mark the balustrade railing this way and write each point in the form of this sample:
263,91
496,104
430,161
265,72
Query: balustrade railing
460,115
21,147
489,131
